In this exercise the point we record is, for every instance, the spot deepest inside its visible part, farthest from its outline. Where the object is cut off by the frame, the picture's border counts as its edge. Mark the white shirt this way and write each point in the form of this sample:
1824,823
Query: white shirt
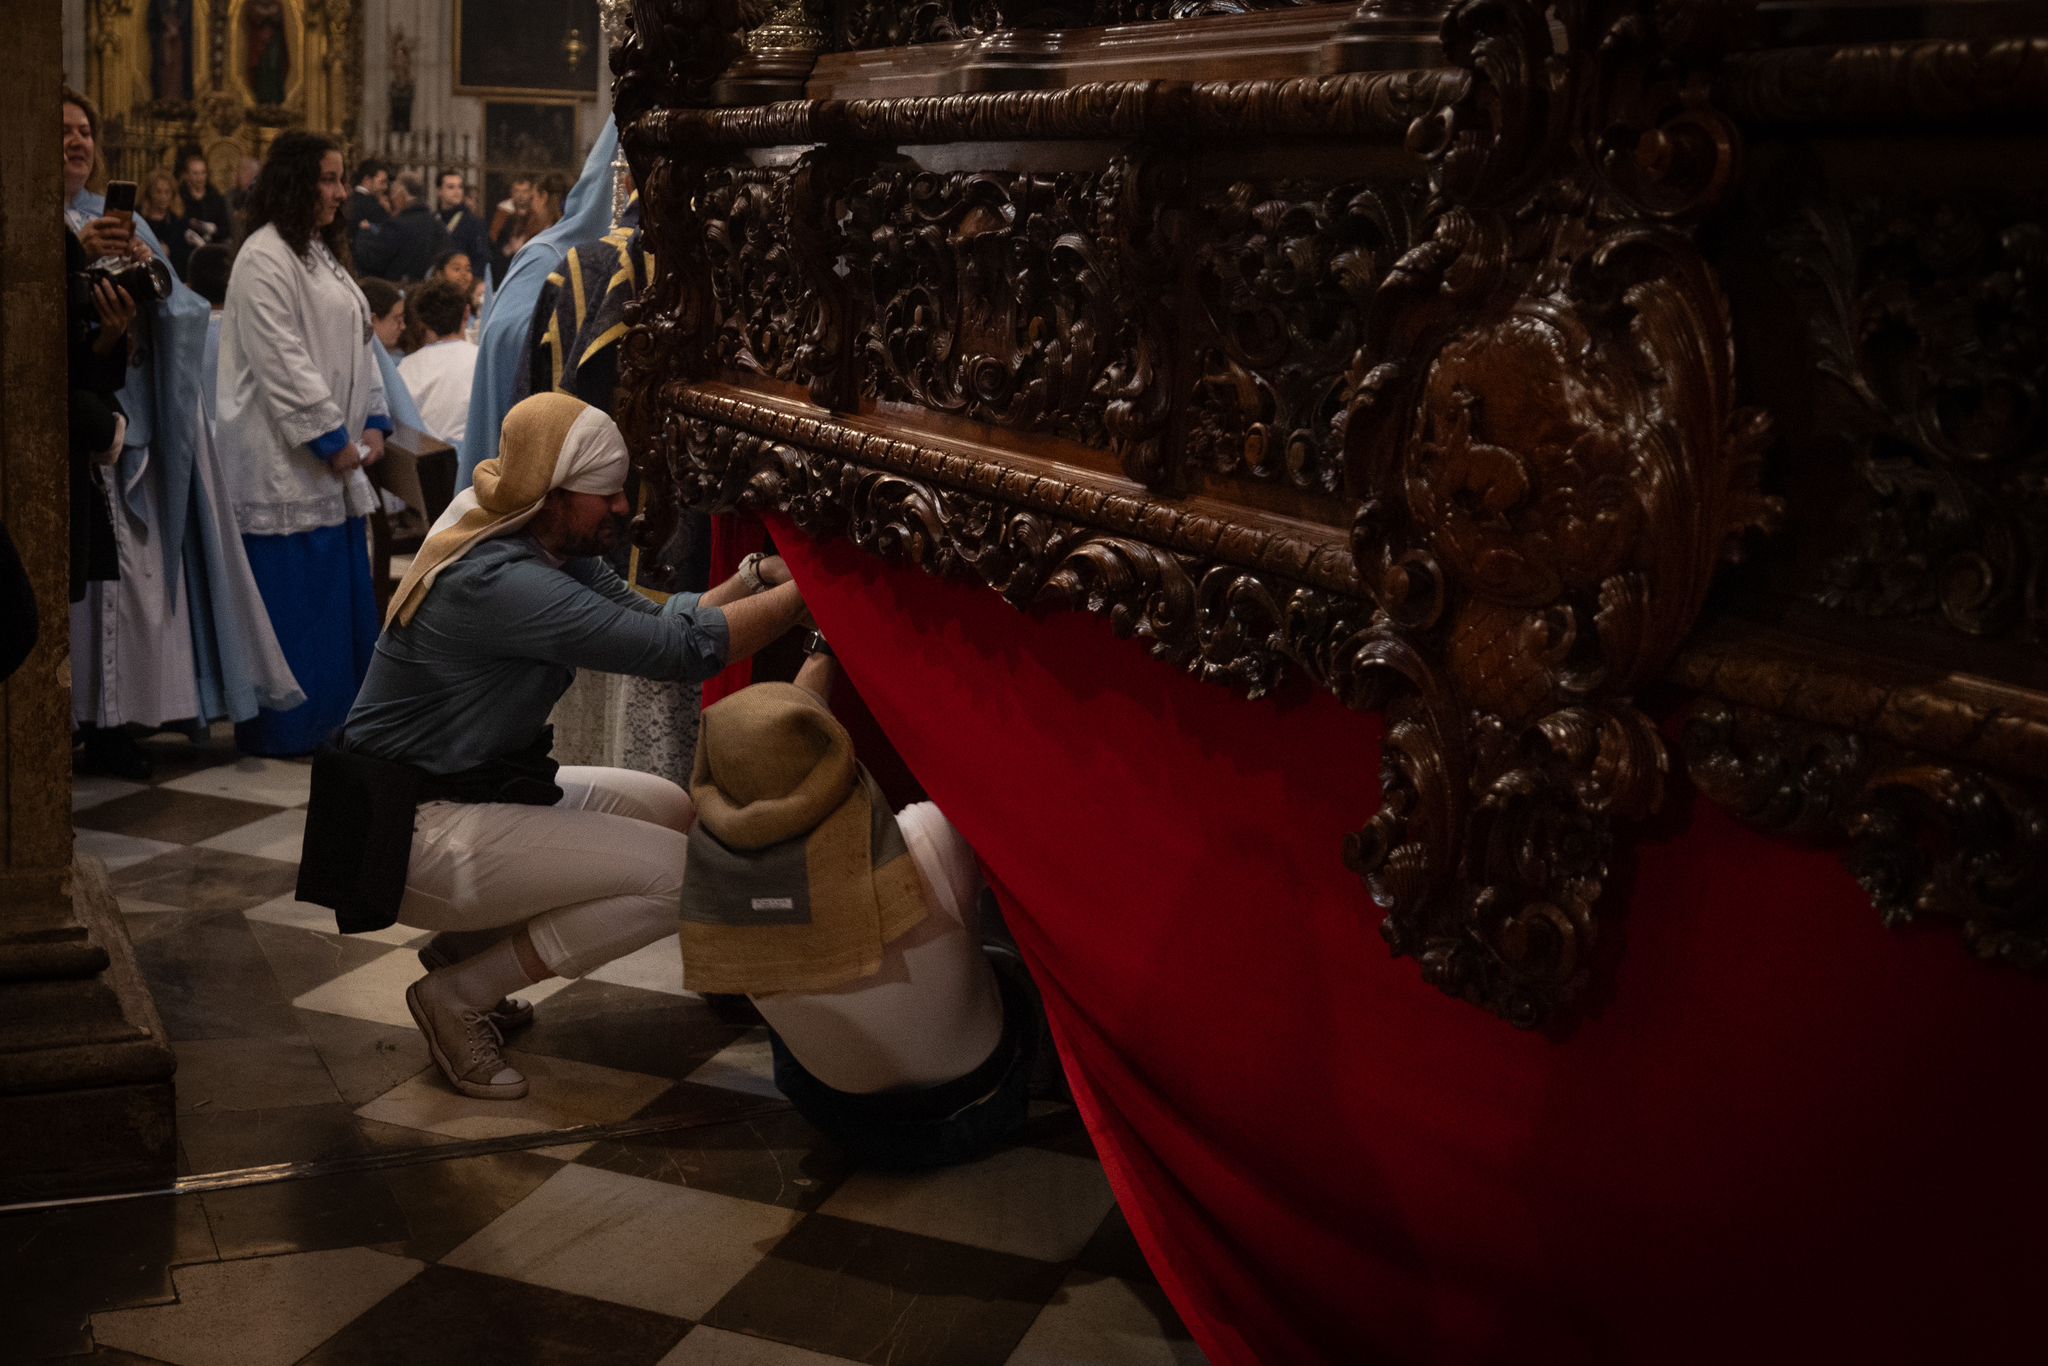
439,376
295,364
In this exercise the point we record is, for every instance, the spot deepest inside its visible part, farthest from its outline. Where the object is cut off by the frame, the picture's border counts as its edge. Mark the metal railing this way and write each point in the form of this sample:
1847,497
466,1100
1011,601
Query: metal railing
429,154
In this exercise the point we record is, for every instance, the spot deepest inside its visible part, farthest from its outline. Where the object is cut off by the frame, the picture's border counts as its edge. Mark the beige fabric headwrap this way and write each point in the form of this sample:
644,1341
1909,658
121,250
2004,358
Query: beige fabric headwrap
550,441
798,873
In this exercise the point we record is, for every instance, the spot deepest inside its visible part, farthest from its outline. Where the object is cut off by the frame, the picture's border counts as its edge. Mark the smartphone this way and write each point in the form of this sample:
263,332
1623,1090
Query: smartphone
120,198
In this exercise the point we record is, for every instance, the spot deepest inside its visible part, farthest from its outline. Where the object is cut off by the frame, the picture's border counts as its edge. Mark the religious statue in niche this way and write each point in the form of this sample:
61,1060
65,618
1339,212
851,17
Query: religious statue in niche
401,87
266,61
170,49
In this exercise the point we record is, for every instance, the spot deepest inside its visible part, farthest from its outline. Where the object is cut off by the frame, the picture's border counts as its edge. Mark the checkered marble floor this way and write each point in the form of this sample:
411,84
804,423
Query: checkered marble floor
740,1238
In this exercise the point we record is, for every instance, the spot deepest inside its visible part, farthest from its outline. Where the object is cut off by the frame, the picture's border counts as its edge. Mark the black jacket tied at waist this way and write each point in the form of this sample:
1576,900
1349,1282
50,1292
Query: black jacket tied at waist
359,823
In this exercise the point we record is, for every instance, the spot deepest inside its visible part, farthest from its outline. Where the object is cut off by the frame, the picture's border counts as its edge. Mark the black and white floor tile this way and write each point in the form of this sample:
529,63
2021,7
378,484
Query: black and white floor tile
734,1235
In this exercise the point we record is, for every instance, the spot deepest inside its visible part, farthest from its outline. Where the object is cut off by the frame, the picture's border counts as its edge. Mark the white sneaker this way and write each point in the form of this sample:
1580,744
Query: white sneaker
464,1043
509,1014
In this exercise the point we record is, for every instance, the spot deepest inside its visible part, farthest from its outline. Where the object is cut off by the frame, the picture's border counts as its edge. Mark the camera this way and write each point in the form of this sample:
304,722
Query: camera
144,280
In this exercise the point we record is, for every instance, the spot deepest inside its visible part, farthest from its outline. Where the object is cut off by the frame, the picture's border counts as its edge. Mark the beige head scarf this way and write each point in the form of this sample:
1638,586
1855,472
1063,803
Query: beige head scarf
798,872
550,441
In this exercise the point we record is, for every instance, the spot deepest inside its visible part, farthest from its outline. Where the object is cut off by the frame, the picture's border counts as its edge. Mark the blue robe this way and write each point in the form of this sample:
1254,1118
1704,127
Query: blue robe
502,339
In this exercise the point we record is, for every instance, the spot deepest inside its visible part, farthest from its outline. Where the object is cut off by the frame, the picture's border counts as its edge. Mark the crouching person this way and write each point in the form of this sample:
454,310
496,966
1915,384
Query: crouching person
438,805
853,929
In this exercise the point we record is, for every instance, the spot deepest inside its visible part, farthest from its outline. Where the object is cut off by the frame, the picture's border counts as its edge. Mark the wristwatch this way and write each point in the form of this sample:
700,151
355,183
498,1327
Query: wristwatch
815,644
750,573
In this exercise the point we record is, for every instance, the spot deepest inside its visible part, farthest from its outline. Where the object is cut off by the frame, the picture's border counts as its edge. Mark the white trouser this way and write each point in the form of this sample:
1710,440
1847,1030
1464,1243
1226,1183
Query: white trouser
594,877
932,1012
600,874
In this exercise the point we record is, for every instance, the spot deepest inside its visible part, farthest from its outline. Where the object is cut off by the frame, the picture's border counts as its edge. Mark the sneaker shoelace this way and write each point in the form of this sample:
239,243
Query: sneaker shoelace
484,1040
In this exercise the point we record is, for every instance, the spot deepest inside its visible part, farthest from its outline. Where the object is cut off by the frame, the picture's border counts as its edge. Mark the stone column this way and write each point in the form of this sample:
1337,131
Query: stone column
85,1094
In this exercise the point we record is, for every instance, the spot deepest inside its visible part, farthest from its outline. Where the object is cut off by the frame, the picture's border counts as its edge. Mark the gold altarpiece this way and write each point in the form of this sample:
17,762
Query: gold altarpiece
227,75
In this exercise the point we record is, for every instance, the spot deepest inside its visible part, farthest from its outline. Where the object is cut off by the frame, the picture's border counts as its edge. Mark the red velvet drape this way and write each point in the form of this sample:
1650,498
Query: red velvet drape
1788,1134
733,537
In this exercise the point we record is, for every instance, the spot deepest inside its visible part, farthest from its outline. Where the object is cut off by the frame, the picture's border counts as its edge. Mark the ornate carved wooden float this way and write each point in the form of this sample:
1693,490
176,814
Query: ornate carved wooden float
1441,356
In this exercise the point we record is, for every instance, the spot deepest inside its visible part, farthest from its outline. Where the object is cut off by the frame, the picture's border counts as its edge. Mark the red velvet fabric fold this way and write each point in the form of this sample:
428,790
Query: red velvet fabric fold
734,536
1785,1134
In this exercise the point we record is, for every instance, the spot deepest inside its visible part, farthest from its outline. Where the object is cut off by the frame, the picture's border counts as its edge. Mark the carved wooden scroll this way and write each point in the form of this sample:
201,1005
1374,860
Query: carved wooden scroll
1449,429
1878,682
1414,384
1552,463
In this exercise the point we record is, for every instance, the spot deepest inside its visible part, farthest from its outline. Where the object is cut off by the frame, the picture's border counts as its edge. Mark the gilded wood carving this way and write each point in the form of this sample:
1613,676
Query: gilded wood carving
221,74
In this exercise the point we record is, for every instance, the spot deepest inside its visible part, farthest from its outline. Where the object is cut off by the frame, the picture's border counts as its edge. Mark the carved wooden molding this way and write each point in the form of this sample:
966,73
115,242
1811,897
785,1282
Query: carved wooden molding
1555,369
1509,383
1230,604
1878,84
1967,718
1380,105
897,23
1877,681
1930,841
1200,529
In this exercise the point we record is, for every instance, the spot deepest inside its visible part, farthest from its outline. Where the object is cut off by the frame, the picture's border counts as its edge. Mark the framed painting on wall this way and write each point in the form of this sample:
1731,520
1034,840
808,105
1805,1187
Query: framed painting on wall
527,47
268,44
527,137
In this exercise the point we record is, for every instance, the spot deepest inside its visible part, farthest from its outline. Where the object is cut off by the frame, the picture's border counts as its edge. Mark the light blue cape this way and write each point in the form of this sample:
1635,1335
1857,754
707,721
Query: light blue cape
509,315
163,402
161,398
403,409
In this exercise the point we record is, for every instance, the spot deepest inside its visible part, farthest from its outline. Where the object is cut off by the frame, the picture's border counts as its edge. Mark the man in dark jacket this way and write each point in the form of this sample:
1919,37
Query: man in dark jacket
406,248
366,210
466,232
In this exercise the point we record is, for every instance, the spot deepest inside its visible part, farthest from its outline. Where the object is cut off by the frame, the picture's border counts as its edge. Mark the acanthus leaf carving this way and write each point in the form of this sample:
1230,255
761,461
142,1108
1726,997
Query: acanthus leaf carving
1544,434
1930,320
1283,275
1518,377
1226,623
1931,840
1017,299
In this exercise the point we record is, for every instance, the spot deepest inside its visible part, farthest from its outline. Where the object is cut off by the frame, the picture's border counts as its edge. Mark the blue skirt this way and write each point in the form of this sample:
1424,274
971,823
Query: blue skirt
316,587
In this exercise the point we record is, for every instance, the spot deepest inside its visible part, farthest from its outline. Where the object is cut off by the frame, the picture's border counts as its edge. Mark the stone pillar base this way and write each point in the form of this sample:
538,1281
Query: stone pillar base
86,1102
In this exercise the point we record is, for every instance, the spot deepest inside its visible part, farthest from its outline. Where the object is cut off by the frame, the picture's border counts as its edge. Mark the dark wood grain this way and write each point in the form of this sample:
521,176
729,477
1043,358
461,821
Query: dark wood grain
1431,355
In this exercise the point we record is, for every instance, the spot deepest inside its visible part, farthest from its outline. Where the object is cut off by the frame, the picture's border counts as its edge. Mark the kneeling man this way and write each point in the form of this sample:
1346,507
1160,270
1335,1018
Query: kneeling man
438,805
855,930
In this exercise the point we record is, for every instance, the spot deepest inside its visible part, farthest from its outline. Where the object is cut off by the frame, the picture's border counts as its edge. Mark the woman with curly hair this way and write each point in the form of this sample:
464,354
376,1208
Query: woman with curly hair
302,410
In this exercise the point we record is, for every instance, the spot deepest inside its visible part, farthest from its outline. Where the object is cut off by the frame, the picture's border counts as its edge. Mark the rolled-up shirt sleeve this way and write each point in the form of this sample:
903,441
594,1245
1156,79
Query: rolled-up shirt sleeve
545,614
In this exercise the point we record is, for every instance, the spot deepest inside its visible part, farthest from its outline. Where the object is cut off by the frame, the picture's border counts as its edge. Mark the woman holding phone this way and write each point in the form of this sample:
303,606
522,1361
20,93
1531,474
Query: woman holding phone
302,409
179,639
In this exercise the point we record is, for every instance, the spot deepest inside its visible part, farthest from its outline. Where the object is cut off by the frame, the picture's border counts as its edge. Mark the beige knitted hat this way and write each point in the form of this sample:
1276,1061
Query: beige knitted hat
797,873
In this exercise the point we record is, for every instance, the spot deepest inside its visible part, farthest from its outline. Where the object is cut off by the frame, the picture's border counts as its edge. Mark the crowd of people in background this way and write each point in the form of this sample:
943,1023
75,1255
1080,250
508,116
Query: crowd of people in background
227,415
223,426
